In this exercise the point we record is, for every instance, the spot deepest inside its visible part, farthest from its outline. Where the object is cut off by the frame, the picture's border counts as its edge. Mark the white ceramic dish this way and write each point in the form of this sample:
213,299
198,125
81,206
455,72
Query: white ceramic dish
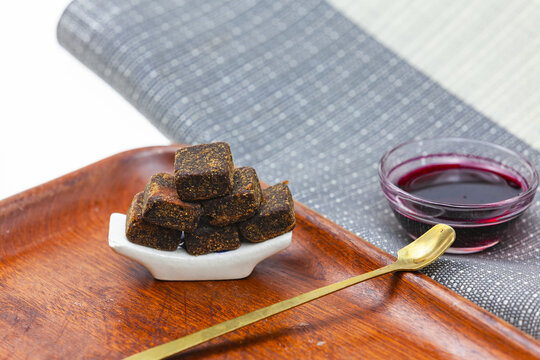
180,266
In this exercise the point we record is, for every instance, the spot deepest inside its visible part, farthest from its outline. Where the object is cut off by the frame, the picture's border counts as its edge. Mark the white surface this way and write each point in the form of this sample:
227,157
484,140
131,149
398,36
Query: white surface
485,52
180,266
56,115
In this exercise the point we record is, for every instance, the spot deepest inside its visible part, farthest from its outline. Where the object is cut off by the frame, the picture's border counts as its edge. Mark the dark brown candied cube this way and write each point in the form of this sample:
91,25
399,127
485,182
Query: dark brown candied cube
275,217
207,239
242,203
141,232
203,171
163,207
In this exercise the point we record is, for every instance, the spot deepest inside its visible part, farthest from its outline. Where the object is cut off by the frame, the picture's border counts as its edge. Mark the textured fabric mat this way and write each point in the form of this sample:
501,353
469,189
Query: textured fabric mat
485,52
301,93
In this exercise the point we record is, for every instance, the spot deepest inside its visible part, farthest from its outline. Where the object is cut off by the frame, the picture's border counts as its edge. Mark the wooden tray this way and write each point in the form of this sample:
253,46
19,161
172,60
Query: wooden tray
65,294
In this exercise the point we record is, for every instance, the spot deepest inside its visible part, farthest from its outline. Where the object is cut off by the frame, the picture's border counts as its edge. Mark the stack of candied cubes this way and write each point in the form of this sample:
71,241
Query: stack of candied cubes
209,204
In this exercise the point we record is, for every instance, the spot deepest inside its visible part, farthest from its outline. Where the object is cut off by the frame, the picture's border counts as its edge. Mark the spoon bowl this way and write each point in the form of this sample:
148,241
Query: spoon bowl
427,248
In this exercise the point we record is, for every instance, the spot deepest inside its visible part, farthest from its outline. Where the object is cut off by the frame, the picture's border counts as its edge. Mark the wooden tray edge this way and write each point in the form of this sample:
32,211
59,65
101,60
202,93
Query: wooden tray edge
447,296
22,200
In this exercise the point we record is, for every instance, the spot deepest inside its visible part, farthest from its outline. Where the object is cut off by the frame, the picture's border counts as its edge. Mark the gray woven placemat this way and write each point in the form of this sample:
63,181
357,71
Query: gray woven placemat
303,94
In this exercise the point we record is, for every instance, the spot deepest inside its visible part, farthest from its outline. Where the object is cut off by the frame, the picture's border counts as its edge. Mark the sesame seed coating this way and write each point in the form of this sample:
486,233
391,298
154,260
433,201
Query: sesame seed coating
162,206
274,218
203,171
141,232
242,203
207,238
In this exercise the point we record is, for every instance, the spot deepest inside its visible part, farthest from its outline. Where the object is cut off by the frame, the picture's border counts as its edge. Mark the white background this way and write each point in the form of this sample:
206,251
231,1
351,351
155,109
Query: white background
55,115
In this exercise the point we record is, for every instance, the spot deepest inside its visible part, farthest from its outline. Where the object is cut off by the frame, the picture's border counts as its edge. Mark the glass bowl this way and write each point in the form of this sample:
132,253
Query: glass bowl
478,225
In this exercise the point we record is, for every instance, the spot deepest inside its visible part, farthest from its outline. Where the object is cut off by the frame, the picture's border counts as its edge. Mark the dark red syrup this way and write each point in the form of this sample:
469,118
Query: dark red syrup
460,184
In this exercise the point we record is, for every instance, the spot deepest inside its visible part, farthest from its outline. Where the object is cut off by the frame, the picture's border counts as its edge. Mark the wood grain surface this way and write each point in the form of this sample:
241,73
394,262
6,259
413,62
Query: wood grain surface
65,294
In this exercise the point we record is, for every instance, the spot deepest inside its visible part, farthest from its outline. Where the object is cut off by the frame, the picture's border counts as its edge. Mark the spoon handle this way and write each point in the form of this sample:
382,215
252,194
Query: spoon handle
186,342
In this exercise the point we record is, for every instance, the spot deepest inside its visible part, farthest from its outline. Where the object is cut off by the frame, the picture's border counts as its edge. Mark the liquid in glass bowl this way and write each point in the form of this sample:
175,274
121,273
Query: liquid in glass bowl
478,188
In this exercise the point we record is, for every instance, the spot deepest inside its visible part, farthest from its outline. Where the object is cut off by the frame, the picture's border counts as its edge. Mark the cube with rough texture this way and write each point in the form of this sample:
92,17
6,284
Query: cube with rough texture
141,232
203,171
207,239
242,203
274,218
162,206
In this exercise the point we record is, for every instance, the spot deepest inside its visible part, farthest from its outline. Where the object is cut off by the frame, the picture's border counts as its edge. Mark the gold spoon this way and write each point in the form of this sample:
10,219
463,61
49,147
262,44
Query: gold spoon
421,252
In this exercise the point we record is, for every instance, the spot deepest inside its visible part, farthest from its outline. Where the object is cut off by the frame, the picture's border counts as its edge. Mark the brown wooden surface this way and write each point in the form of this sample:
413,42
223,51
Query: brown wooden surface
65,294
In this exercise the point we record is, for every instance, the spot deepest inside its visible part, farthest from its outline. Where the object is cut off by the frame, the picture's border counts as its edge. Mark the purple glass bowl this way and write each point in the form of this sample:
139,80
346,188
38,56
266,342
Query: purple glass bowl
478,226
